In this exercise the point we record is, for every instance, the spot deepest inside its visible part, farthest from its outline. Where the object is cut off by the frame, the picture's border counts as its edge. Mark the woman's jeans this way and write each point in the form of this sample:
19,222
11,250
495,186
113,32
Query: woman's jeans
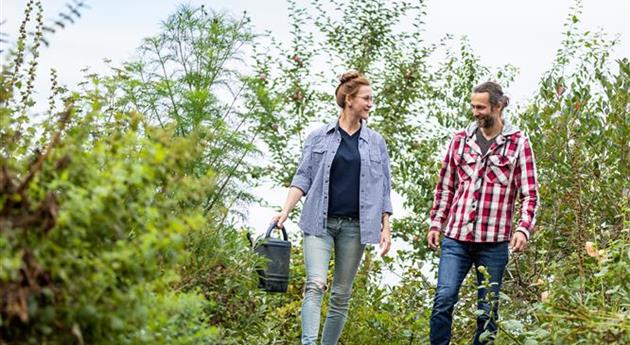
455,262
344,236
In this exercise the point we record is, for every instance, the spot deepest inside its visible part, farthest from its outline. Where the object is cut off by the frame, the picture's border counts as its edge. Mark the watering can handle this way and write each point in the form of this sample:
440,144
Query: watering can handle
273,226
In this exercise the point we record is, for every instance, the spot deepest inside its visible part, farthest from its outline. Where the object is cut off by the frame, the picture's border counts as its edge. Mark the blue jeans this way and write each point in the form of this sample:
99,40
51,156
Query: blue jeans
343,234
455,262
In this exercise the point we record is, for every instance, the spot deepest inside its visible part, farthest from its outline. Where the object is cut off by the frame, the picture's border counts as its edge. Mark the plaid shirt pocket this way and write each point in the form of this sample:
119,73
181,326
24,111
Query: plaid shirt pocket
500,168
465,166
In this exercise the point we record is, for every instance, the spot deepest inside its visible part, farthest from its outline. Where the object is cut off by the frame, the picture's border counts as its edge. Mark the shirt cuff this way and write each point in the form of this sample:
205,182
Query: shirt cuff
300,183
524,231
435,226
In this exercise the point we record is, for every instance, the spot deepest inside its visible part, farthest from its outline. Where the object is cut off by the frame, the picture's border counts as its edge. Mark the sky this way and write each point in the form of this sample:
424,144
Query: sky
525,34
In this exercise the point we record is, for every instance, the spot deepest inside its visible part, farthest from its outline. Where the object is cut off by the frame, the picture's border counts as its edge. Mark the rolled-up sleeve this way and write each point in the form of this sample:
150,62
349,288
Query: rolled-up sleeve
387,181
303,176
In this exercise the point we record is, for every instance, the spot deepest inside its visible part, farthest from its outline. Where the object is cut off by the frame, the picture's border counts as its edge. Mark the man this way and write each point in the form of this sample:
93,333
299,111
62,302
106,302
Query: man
486,168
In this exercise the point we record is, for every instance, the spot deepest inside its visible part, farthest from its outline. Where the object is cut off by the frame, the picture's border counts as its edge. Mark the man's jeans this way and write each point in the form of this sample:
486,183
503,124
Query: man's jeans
344,235
455,262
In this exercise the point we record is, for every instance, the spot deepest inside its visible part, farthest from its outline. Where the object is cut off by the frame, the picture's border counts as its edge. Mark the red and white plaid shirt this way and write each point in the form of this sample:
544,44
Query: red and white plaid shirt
476,194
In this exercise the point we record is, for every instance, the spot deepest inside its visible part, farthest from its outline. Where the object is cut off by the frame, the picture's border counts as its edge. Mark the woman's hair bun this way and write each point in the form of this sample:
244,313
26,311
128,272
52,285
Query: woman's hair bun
347,76
349,84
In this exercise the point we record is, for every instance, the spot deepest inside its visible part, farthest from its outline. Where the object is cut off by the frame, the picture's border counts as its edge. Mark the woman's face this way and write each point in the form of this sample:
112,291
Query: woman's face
362,103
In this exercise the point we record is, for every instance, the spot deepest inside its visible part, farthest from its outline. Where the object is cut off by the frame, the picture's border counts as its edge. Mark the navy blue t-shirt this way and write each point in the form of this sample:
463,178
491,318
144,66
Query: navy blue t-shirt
344,177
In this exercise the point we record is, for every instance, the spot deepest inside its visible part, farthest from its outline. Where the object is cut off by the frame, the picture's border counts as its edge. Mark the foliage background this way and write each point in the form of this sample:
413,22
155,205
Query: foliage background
120,205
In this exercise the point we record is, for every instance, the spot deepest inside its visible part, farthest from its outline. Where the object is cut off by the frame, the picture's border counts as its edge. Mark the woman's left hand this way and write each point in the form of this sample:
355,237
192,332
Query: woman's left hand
386,240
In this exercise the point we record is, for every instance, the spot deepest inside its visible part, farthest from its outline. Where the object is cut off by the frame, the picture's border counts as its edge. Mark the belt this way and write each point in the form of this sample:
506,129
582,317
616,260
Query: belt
346,218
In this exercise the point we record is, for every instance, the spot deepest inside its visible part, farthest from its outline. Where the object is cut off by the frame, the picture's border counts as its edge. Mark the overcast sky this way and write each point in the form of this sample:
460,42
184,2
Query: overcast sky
523,33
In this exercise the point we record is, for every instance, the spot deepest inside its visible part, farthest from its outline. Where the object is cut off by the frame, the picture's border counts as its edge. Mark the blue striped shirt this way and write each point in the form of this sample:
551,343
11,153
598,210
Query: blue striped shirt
313,178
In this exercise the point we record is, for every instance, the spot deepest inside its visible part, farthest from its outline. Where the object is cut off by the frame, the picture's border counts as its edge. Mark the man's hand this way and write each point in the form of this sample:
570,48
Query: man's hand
433,239
519,242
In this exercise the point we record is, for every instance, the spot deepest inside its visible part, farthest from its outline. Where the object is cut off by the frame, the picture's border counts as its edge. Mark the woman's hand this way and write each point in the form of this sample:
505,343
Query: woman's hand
292,198
386,240
279,219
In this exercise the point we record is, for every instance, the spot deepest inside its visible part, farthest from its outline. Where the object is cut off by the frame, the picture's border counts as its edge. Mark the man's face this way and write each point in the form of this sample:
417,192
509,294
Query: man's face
485,114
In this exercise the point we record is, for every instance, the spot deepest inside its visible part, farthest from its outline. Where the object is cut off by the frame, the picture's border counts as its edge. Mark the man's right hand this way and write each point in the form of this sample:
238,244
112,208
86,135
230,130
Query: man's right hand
433,239
279,219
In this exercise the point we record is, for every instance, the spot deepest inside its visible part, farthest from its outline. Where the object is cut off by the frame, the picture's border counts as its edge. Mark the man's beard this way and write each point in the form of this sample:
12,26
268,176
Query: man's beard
486,122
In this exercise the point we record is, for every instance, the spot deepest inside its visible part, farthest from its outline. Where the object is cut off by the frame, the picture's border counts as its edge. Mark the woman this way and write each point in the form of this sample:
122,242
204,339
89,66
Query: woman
344,173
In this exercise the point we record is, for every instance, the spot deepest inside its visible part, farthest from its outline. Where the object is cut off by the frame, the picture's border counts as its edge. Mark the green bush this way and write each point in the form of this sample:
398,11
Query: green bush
108,236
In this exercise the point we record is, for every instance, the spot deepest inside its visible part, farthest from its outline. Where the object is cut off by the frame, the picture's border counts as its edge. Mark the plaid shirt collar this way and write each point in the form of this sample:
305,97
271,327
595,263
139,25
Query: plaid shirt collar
471,138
